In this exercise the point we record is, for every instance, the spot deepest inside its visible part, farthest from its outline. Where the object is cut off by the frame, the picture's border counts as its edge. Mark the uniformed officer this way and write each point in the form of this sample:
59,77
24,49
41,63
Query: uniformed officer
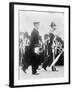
34,42
51,36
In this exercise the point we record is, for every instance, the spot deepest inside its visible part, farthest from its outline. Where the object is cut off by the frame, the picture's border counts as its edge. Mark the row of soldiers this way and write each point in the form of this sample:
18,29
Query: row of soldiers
36,52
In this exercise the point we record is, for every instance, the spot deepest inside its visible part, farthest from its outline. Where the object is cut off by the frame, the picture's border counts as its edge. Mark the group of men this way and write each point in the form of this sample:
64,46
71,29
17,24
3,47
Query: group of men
37,52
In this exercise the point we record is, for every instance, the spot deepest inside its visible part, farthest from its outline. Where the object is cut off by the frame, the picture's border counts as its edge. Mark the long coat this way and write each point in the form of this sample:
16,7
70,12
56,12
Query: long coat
48,60
34,41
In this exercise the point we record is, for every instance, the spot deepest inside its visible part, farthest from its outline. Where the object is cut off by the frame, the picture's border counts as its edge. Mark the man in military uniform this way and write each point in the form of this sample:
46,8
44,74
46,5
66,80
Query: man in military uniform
49,59
34,42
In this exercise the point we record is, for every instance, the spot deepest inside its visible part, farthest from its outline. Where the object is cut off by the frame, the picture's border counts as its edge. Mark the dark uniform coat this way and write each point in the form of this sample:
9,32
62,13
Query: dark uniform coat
49,59
34,41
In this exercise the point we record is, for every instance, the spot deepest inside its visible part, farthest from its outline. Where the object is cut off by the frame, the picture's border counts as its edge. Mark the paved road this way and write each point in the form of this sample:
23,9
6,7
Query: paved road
42,73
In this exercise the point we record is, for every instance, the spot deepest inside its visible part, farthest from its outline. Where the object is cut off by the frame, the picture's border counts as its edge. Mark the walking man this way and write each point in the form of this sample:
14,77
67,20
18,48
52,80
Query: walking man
34,42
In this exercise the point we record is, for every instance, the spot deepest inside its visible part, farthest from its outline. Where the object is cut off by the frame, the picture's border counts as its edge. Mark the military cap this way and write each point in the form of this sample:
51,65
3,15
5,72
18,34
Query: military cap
36,23
52,24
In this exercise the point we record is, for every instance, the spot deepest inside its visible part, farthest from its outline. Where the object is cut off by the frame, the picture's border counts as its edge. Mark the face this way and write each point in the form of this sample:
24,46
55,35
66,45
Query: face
37,26
53,29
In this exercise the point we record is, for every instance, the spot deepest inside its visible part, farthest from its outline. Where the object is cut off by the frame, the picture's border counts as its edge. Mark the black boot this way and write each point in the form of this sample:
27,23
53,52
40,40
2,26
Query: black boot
44,68
53,68
24,69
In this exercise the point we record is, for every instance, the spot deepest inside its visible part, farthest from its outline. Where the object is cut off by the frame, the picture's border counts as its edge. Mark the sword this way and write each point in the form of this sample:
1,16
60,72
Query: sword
56,59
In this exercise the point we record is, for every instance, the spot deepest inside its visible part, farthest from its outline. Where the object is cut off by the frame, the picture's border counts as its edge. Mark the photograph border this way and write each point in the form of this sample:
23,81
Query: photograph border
11,42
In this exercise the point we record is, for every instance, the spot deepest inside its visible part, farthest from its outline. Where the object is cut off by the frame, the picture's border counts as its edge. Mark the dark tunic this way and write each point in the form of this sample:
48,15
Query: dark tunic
34,38
34,42
49,59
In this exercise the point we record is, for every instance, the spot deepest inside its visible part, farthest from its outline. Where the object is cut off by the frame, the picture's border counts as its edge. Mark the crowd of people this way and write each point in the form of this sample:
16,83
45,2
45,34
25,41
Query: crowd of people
35,52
